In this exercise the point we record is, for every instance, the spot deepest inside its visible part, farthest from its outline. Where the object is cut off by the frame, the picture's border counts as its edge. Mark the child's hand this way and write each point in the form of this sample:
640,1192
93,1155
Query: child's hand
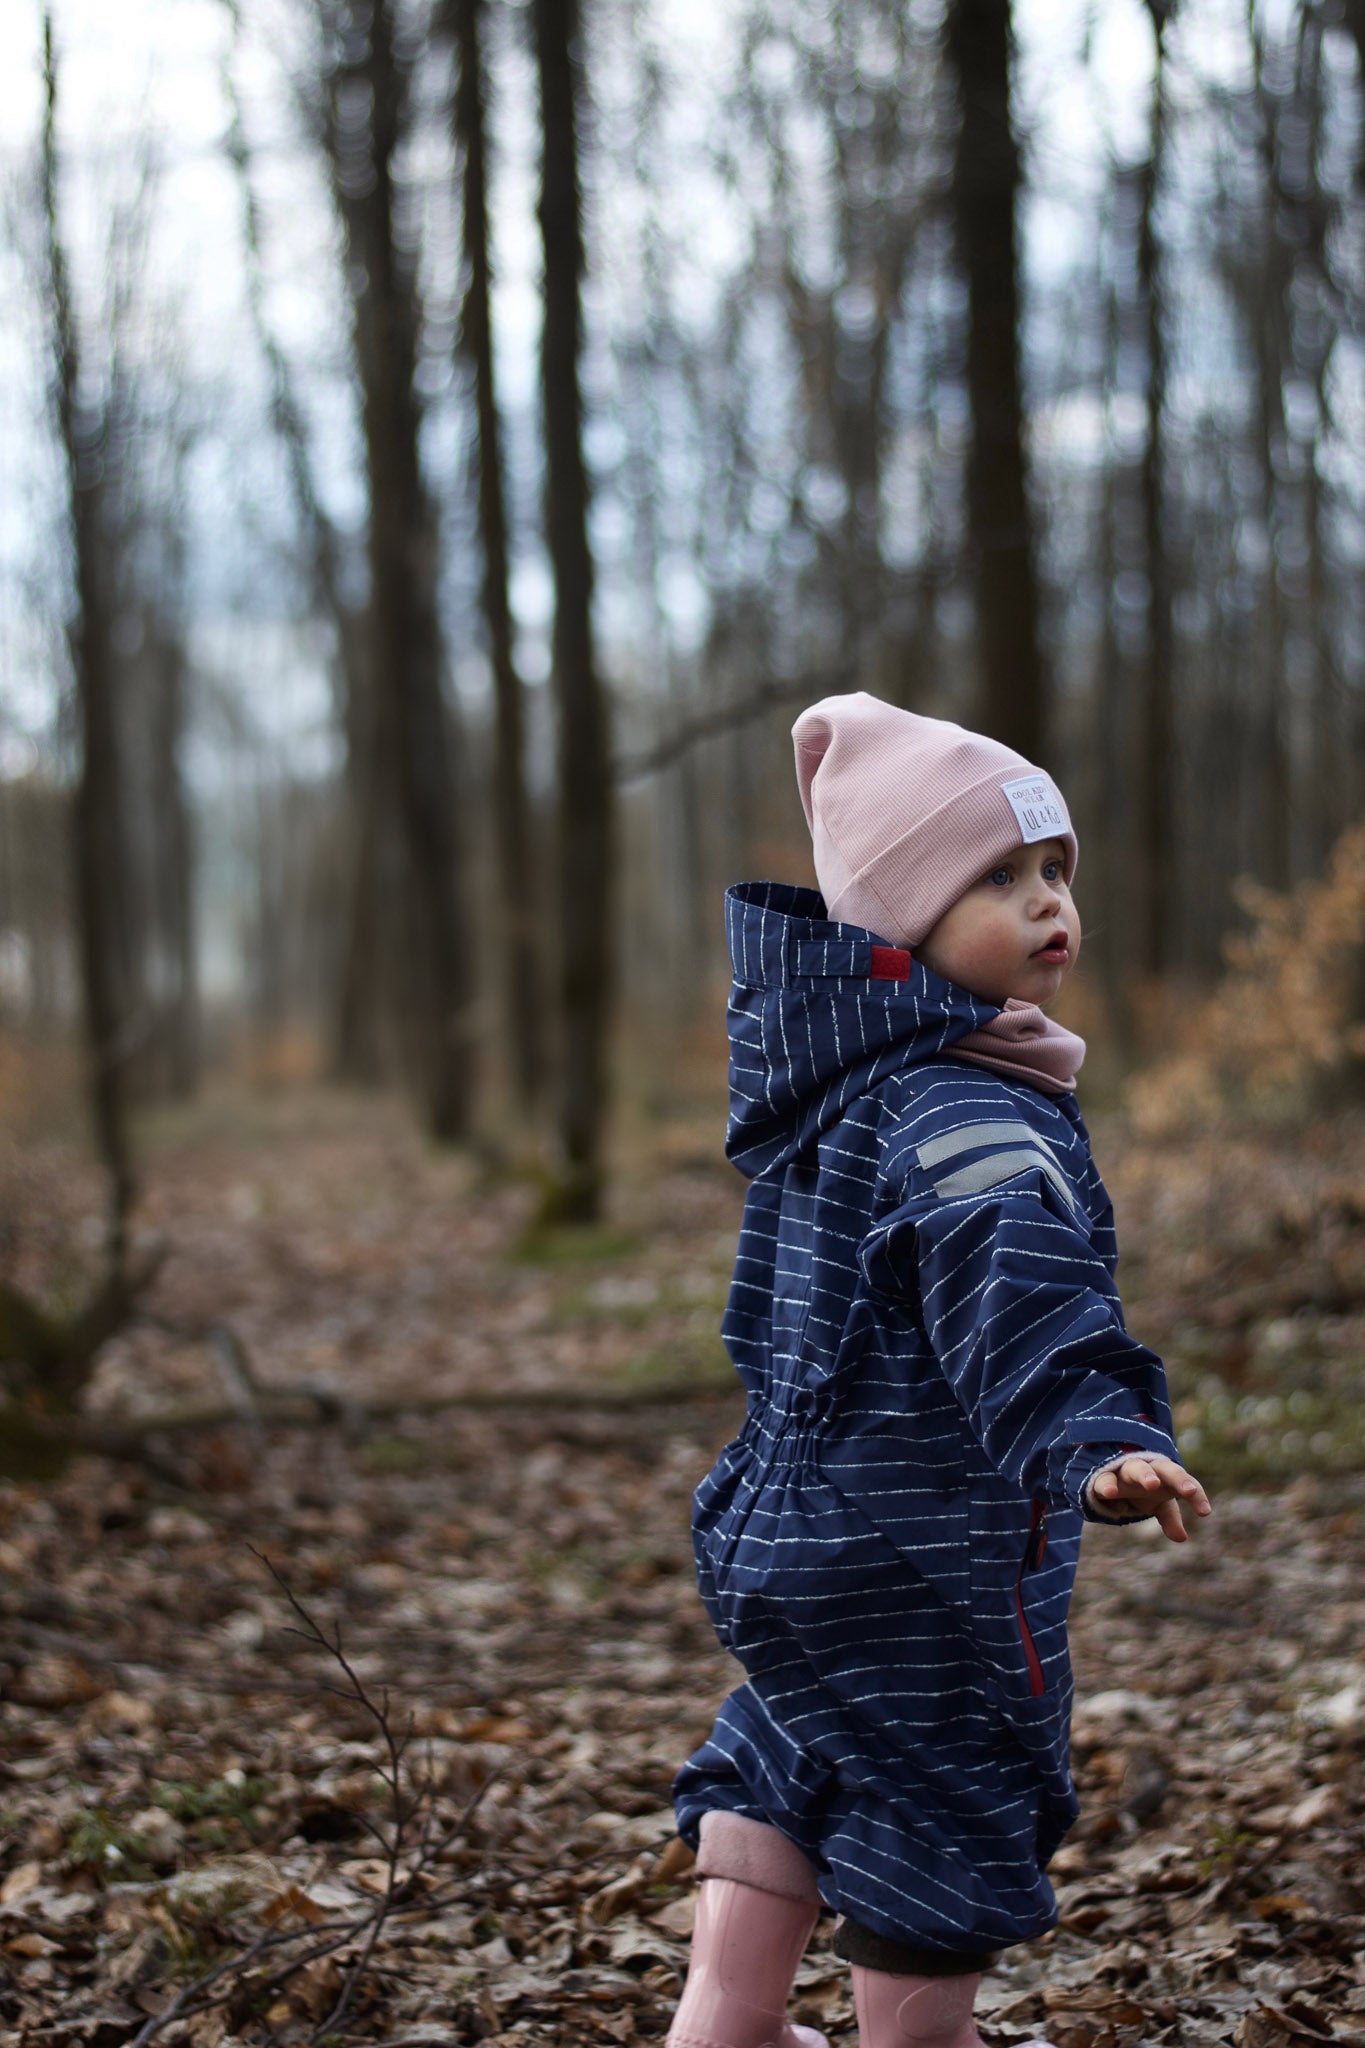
1151,1481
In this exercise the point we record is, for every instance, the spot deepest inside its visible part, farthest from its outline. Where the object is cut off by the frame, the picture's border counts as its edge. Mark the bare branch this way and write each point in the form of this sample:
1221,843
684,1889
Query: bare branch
708,725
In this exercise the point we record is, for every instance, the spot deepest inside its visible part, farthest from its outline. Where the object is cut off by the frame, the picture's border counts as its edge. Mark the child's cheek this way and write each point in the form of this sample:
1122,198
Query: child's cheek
990,960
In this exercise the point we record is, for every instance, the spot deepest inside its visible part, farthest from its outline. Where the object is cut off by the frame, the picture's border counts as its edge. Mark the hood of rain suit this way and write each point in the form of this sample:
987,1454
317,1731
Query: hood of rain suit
820,1012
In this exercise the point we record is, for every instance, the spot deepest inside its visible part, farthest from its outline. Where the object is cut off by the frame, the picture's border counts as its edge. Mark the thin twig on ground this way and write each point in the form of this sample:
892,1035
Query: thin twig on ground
408,1802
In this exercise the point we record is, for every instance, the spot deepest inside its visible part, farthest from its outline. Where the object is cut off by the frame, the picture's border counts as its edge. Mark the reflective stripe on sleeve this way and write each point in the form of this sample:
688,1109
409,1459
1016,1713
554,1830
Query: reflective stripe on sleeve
998,1167
975,1137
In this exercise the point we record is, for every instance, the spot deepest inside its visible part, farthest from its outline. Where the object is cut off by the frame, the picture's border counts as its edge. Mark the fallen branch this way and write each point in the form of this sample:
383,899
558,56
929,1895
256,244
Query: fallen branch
303,1407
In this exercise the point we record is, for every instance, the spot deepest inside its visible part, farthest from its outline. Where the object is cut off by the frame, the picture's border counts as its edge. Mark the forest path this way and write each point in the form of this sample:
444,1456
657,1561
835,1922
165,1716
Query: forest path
175,1777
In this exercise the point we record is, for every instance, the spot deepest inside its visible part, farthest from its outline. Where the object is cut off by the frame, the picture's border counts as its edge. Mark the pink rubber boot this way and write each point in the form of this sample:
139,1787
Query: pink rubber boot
917,2012
755,1910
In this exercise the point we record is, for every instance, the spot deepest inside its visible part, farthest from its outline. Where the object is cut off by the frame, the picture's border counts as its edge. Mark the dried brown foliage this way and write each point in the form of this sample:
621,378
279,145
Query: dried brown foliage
1286,1026
177,1783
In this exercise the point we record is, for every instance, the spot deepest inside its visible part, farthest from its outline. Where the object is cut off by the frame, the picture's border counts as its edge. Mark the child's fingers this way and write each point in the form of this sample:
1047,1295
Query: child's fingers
1170,1521
1139,1478
1132,1473
1190,1490
1180,1482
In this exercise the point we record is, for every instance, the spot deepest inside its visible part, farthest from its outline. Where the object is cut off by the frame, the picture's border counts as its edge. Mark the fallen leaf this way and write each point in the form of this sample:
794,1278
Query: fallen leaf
371,1873
1317,1806
674,1862
496,1728
32,1945
24,1878
55,1682
292,1902
622,1892
316,1986
677,1916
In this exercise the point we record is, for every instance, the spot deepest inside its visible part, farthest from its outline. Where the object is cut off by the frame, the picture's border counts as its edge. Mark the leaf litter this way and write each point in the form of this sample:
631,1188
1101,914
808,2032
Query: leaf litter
179,1786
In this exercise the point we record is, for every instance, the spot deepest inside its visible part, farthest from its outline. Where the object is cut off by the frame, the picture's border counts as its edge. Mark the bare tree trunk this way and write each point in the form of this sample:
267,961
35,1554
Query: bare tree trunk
99,839
368,964
1313,345
360,969
412,731
1111,692
986,179
586,802
1267,311
1274,779
1160,898
178,1018
517,910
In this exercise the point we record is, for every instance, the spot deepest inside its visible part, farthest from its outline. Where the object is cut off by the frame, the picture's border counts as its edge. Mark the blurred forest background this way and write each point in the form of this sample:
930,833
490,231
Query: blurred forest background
445,442
442,445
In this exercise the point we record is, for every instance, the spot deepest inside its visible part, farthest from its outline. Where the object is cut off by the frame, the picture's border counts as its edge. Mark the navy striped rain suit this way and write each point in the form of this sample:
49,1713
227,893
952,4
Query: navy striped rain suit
924,1317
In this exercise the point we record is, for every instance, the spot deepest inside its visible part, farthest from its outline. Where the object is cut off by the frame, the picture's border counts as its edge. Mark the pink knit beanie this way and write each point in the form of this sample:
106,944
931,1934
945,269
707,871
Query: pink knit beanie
906,812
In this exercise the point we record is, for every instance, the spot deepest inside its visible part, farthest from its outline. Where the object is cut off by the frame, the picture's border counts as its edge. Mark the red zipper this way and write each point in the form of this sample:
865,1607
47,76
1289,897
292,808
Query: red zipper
1034,1551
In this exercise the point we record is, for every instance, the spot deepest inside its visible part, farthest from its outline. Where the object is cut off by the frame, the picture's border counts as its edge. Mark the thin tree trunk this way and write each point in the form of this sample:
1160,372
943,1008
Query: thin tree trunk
1330,746
986,179
1353,738
585,784
517,910
412,736
368,956
178,1023
1274,779
1267,289
1160,900
99,839
1111,694
359,979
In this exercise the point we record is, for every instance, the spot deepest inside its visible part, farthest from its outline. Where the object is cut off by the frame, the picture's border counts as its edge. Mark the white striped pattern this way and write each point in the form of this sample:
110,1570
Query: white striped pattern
931,1358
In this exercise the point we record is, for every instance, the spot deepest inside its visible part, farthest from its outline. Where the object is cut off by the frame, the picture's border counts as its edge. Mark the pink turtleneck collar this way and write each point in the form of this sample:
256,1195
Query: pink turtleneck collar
1024,1043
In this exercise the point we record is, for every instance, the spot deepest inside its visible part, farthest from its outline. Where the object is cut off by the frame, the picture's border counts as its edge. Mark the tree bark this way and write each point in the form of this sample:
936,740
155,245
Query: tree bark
413,755
584,763
1313,343
99,835
359,963
178,1022
986,180
515,893
1160,898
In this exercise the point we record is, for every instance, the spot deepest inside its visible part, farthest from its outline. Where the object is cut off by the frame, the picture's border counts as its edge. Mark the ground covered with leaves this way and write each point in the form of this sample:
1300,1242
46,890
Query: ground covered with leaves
191,1783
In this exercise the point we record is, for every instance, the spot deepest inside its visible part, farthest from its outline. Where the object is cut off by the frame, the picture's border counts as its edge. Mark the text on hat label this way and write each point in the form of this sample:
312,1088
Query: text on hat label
1037,808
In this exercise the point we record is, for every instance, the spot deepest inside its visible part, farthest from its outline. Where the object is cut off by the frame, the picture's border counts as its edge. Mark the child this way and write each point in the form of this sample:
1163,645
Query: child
940,1387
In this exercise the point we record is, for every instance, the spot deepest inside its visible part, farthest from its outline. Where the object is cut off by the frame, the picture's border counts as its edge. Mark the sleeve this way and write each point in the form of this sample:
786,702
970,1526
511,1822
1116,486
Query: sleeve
1025,1323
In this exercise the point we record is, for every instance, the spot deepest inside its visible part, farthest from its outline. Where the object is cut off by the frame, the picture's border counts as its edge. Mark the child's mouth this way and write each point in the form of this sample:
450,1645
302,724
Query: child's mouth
1056,952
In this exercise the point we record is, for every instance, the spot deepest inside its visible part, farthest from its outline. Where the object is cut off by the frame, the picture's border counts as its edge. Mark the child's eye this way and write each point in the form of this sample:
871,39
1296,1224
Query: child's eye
1052,871
1000,878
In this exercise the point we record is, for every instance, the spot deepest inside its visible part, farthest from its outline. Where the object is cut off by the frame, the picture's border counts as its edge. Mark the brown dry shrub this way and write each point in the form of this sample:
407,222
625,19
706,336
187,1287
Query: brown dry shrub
1285,1029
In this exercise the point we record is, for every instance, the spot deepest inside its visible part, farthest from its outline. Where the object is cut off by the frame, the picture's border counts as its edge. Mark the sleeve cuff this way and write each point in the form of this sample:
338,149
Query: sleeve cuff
1088,1460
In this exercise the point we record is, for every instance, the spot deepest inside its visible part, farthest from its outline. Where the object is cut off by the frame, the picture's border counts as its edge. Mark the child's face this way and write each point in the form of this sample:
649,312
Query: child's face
1013,933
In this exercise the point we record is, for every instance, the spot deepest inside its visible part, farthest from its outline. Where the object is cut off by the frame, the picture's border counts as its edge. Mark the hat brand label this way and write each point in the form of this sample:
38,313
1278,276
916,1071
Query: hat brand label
1037,808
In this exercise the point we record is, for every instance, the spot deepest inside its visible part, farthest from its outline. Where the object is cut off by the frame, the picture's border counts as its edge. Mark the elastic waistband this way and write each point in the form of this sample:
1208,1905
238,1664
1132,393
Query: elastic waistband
776,1436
